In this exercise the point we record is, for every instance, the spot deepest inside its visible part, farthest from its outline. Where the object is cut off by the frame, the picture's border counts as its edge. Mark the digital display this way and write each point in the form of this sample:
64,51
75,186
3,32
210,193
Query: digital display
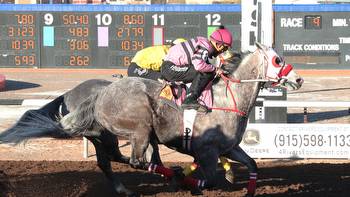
99,39
314,40
19,40
67,39
313,22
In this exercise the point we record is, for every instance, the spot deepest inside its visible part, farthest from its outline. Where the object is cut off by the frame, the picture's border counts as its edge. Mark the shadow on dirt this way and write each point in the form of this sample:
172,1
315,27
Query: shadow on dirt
317,179
19,85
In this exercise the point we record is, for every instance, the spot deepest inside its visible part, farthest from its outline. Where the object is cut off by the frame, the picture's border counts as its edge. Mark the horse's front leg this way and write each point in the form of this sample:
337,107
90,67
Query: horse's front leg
104,163
238,154
207,159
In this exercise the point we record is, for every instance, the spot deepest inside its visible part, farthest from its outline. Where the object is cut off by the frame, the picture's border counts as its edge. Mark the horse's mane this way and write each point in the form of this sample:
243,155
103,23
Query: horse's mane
232,60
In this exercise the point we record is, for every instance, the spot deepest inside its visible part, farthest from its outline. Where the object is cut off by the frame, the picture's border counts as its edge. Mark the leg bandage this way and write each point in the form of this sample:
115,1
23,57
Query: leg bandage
252,183
168,173
194,182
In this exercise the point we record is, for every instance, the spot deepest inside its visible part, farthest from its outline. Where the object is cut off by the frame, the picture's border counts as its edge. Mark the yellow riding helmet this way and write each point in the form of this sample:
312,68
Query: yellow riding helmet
178,40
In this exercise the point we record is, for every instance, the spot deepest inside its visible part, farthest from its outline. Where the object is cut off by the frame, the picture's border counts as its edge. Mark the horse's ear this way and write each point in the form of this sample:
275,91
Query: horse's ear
259,45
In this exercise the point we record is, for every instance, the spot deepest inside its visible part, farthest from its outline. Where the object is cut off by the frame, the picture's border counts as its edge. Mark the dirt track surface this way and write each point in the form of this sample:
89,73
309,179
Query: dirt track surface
65,178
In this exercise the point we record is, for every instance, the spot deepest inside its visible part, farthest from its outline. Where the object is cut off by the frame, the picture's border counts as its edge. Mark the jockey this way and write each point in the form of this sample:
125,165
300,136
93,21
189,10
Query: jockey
147,62
188,62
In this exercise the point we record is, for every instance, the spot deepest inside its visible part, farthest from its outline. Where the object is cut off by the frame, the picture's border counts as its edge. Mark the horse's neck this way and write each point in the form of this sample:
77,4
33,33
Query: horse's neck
245,94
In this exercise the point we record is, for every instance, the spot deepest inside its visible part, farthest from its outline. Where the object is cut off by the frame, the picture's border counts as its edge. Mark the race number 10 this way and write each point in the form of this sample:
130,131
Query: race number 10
103,19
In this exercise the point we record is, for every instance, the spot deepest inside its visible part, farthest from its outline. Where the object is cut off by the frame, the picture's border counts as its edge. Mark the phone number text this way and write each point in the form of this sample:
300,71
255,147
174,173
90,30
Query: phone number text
297,140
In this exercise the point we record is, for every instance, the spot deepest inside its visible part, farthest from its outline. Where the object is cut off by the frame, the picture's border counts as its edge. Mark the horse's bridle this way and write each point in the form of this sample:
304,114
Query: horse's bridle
227,81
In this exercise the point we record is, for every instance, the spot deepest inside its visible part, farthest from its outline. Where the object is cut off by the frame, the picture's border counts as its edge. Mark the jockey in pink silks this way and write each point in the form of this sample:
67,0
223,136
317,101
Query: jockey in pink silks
188,62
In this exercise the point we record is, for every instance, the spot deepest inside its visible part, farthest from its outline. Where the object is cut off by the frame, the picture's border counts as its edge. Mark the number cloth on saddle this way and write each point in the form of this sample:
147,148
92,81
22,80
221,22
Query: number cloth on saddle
177,96
166,93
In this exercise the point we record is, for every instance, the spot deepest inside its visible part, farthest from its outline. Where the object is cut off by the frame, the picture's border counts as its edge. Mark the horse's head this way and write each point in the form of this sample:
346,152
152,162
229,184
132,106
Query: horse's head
276,70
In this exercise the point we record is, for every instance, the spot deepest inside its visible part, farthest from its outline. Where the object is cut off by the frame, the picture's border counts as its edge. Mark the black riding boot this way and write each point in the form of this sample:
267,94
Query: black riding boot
198,85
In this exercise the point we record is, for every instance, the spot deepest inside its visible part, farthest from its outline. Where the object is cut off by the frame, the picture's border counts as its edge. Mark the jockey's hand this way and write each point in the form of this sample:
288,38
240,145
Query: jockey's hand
220,71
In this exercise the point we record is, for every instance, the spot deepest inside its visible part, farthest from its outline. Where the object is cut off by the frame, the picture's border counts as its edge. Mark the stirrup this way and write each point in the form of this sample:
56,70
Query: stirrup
200,108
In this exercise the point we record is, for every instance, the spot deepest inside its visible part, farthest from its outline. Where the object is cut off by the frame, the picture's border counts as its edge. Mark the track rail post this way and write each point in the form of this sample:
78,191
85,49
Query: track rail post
305,115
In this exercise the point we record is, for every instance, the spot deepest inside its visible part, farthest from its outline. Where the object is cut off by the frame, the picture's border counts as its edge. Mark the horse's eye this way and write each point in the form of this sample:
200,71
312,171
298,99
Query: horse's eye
278,60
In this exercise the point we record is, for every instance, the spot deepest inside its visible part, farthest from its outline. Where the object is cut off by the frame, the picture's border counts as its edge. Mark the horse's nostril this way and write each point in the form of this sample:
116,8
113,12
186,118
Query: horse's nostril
300,80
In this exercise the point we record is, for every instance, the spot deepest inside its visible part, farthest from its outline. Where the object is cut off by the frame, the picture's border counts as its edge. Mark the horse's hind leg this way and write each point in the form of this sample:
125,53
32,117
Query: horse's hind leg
152,153
238,154
105,165
110,144
139,143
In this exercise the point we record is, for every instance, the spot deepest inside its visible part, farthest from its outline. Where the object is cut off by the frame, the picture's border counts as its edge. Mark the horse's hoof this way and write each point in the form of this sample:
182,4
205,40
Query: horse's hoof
133,165
229,176
120,159
136,164
174,185
124,159
178,173
196,191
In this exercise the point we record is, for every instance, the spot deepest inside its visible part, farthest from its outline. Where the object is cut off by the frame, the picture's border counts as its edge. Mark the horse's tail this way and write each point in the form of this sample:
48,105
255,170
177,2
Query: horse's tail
82,119
41,122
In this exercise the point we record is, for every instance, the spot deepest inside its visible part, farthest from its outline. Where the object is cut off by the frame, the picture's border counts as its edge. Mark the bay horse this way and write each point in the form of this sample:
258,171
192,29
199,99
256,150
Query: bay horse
132,107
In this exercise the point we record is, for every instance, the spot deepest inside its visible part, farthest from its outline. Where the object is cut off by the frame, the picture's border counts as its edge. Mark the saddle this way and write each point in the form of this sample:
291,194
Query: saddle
175,92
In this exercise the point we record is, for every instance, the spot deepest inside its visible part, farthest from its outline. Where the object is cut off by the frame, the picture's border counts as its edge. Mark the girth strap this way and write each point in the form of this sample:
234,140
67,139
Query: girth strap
179,88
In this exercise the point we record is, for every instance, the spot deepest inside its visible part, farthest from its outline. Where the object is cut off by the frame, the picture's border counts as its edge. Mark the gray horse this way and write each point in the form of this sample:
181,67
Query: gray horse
44,122
132,107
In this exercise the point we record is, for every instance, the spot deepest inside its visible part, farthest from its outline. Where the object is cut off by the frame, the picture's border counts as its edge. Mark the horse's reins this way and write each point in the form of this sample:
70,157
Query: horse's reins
228,109
227,80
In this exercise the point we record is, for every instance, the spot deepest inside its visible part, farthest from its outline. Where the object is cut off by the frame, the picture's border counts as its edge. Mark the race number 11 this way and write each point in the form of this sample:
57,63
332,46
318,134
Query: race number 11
158,19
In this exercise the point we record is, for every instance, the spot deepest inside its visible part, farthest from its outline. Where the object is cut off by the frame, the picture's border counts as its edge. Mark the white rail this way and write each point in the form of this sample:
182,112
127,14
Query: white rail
303,104
86,148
